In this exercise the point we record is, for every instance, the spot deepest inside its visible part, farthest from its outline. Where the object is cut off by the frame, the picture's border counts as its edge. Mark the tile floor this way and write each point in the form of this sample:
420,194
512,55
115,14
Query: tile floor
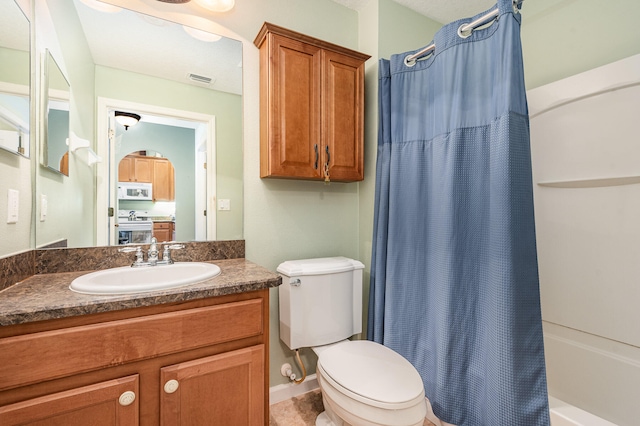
301,411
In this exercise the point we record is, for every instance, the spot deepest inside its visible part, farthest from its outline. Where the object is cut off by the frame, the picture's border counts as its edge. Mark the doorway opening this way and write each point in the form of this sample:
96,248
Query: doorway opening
184,139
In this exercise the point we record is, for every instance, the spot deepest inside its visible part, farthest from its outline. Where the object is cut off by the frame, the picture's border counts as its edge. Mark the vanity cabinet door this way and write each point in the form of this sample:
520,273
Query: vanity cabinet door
226,389
114,402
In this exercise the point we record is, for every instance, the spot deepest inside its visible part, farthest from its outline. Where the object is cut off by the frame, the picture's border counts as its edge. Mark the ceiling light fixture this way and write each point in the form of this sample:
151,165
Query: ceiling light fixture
217,5
127,119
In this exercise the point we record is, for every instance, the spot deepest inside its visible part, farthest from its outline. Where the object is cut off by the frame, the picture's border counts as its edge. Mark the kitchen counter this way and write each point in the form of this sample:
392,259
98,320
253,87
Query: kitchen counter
47,296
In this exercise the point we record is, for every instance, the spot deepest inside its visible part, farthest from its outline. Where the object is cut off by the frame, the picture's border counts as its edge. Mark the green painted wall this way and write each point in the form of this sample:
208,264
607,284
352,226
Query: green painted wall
15,171
227,109
15,66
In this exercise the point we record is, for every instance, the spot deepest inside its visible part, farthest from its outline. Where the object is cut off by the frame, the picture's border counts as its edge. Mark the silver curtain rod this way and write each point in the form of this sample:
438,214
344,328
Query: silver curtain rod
464,31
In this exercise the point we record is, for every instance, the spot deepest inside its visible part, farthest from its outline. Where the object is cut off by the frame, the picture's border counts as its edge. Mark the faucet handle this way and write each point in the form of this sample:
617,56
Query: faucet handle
139,254
166,254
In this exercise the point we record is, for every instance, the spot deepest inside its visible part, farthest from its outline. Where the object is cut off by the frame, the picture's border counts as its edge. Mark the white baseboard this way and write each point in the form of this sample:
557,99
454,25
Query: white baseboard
286,391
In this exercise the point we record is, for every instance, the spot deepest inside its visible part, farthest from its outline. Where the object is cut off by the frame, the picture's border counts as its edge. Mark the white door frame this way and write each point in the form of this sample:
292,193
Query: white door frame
106,170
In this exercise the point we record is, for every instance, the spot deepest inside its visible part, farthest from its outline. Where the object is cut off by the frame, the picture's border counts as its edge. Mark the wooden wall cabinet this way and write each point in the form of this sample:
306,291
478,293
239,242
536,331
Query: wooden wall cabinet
155,170
311,107
163,180
195,363
135,169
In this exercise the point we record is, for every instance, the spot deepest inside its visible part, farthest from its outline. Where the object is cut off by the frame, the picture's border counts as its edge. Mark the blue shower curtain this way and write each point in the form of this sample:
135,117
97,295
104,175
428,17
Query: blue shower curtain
454,277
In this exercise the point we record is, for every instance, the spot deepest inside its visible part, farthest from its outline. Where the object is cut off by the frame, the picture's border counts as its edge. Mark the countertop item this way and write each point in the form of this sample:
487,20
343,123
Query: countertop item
47,296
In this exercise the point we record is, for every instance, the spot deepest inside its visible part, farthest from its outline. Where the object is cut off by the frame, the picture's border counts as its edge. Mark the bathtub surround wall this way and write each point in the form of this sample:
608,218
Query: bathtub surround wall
585,161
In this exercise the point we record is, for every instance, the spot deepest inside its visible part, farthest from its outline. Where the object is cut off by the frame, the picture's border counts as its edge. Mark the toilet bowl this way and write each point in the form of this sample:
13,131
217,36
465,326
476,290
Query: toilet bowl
366,384
362,383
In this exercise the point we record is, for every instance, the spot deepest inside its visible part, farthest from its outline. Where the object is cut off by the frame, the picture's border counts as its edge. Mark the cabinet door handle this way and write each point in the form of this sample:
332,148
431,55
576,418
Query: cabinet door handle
171,386
315,148
326,166
127,398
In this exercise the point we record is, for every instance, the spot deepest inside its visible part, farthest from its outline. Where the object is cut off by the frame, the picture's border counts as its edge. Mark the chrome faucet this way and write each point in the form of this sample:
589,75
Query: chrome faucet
152,254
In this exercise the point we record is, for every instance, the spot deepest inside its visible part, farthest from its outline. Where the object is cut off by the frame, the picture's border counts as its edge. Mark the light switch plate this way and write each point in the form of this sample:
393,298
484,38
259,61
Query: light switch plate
44,207
224,204
13,205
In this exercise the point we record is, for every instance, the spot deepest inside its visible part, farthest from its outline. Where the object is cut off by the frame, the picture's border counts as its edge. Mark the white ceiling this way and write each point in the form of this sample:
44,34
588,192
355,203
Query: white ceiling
14,27
151,46
443,11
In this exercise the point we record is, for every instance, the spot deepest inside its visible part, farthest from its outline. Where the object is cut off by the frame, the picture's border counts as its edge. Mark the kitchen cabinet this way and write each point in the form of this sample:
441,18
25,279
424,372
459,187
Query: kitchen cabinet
155,170
163,231
189,363
135,169
311,107
163,180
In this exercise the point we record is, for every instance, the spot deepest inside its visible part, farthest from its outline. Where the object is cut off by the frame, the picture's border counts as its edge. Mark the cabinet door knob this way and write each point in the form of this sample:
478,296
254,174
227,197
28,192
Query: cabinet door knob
171,386
127,398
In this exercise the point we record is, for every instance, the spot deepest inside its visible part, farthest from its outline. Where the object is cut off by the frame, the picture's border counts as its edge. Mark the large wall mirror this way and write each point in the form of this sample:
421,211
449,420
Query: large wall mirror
15,127
183,88
55,152
14,78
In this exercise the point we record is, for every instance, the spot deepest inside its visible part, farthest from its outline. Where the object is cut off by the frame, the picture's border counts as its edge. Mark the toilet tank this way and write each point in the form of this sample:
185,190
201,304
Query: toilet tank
320,301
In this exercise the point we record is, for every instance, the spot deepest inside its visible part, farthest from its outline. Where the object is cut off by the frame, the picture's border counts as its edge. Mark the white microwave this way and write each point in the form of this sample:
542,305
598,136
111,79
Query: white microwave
134,191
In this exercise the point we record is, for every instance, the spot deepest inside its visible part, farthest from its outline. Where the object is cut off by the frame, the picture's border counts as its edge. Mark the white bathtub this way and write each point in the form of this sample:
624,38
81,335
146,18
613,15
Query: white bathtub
562,414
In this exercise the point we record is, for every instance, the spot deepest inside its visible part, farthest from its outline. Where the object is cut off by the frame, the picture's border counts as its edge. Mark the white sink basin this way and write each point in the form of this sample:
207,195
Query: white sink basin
151,278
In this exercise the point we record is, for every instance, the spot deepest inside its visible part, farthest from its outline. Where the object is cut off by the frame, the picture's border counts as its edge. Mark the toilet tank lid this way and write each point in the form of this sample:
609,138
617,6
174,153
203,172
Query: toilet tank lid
320,266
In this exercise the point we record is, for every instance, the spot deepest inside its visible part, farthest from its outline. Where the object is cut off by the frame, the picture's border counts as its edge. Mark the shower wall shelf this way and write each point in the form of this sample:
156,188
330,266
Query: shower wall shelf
592,183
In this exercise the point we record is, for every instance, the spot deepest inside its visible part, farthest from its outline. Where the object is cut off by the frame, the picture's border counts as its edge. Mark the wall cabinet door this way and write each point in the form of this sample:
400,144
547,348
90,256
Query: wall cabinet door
163,180
311,107
343,116
225,389
114,402
135,169
293,141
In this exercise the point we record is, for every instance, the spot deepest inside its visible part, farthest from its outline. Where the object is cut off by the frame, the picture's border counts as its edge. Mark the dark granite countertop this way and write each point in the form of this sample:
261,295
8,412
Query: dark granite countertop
47,296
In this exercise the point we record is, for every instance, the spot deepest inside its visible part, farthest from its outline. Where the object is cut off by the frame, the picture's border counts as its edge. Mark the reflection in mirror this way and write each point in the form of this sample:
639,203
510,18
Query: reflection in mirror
120,60
55,152
14,78
146,198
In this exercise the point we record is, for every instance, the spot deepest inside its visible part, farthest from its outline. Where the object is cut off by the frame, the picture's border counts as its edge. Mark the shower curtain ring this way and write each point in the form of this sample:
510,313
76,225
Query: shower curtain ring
408,61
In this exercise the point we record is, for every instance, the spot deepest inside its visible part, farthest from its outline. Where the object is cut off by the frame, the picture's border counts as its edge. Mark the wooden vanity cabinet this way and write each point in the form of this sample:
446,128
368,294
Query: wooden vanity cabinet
190,363
311,107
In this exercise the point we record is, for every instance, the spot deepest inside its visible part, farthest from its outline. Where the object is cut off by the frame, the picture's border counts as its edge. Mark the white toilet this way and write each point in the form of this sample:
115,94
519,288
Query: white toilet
363,383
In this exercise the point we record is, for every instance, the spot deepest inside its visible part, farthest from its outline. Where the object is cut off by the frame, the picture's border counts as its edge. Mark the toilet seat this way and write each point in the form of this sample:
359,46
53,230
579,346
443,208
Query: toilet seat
372,374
